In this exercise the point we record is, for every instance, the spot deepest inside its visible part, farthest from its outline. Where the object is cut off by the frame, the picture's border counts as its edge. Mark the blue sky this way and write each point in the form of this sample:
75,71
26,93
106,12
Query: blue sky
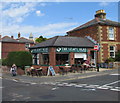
49,18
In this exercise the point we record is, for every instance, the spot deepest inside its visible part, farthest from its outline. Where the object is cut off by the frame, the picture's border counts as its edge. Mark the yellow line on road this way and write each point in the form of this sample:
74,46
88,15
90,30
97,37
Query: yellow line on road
84,77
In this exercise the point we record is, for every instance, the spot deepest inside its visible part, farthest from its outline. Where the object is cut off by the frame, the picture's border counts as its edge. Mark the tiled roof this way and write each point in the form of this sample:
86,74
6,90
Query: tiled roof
8,39
65,41
24,40
97,21
20,40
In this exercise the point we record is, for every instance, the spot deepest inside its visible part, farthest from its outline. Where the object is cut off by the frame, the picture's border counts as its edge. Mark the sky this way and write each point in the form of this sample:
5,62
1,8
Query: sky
49,19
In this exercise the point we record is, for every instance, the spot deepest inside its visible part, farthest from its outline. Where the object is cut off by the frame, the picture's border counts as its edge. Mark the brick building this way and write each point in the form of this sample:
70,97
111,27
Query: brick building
103,32
61,50
9,44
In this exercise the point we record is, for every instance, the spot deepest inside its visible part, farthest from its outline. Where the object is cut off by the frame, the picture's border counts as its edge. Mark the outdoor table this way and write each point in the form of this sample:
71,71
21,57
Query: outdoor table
39,72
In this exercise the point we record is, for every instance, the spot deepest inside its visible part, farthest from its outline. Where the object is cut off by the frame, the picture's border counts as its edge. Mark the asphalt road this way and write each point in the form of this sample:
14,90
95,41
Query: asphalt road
97,88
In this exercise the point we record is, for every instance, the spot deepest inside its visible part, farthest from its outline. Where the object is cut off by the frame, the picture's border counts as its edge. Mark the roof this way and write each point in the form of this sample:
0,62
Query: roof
24,40
95,22
8,39
20,40
65,41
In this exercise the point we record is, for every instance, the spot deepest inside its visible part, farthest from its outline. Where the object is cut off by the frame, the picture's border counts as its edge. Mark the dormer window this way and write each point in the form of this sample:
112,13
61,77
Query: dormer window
111,33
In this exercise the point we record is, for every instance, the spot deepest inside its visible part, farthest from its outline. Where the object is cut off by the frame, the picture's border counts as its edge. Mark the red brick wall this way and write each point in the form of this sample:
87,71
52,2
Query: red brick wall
89,31
105,52
9,47
52,56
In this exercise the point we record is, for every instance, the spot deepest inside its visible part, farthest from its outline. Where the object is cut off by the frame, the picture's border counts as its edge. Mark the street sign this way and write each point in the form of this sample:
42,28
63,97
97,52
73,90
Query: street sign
96,47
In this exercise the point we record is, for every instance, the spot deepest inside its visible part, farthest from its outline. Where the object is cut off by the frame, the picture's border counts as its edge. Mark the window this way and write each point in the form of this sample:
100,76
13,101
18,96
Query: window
27,45
111,33
62,59
112,51
36,59
45,59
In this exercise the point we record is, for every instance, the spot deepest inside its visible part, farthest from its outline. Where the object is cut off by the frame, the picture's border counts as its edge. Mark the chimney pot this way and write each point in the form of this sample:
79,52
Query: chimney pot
19,35
12,37
100,14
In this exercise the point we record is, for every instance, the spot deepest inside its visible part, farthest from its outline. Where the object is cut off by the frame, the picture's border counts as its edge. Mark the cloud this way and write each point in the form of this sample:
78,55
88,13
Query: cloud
47,30
16,12
38,12
104,3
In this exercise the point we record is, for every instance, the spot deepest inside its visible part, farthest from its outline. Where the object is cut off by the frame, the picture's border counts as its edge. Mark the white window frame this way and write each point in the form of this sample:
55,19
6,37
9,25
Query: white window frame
111,33
27,45
112,51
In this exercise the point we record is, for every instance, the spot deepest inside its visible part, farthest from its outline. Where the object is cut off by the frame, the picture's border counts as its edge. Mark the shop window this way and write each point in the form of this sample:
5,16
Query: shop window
62,59
112,51
45,59
35,59
111,33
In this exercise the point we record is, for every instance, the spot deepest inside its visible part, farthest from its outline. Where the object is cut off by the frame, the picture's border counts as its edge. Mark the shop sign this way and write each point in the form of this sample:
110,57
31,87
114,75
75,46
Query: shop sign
39,50
70,49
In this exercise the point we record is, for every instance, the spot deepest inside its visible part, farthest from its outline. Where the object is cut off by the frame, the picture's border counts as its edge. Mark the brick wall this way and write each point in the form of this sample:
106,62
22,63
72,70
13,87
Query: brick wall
9,47
100,34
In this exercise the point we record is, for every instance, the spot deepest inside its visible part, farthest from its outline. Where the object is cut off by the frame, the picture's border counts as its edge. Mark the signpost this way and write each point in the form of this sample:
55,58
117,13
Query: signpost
96,49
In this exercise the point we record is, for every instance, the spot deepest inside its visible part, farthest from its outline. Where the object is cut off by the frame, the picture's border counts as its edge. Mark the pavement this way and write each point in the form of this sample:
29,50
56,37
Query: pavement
57,77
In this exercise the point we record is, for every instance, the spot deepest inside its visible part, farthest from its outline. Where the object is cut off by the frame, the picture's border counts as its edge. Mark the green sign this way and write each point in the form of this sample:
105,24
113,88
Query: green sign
40,50
70,49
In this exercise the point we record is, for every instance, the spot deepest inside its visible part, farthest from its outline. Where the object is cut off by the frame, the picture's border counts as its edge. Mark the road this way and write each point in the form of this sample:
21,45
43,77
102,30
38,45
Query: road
97,88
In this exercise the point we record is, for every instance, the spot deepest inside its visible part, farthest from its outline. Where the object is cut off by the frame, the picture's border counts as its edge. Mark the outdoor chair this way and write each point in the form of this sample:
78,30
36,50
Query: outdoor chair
62,70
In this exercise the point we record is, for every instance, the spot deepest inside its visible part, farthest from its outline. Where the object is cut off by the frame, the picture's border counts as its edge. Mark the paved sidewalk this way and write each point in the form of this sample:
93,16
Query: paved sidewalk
58,78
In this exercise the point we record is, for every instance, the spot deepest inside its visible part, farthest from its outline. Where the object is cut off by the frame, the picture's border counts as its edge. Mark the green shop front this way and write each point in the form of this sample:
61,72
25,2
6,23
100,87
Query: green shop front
61,51
58,55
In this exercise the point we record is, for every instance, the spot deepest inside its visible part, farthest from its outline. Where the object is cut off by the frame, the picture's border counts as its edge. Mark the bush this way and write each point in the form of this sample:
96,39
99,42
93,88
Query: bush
117,56
20,58
110,60
4,62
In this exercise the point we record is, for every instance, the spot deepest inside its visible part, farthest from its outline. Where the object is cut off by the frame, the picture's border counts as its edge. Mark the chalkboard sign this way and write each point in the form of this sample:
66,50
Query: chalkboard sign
51,70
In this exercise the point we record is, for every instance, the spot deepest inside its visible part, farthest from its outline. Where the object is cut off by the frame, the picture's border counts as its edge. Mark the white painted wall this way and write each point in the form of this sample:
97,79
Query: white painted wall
80,55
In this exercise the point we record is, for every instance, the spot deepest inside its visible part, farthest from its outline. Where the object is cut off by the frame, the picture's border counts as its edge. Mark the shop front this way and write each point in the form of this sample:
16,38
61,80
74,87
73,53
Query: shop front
66,53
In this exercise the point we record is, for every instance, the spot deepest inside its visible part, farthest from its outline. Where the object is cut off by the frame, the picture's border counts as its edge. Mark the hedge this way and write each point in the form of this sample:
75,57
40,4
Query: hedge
20,58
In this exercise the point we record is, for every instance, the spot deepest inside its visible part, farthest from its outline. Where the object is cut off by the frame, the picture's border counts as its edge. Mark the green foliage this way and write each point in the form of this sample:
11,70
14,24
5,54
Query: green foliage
40,39
117,56
20,58
110,60
3,62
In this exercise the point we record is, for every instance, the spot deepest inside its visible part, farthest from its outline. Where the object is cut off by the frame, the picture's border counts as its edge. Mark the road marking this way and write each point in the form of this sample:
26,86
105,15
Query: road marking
102,87
15,80
78,86
115,90
33,83
55,88
115,74
92,86
83,84
112,83
1,78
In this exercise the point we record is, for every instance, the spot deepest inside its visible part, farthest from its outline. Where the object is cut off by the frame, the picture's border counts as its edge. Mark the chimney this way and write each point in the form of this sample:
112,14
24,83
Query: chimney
19,35
100,14
12,36
0,37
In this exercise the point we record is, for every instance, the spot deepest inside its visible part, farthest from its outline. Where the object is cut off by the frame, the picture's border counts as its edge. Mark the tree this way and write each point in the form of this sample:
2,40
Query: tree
40,39
20,58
